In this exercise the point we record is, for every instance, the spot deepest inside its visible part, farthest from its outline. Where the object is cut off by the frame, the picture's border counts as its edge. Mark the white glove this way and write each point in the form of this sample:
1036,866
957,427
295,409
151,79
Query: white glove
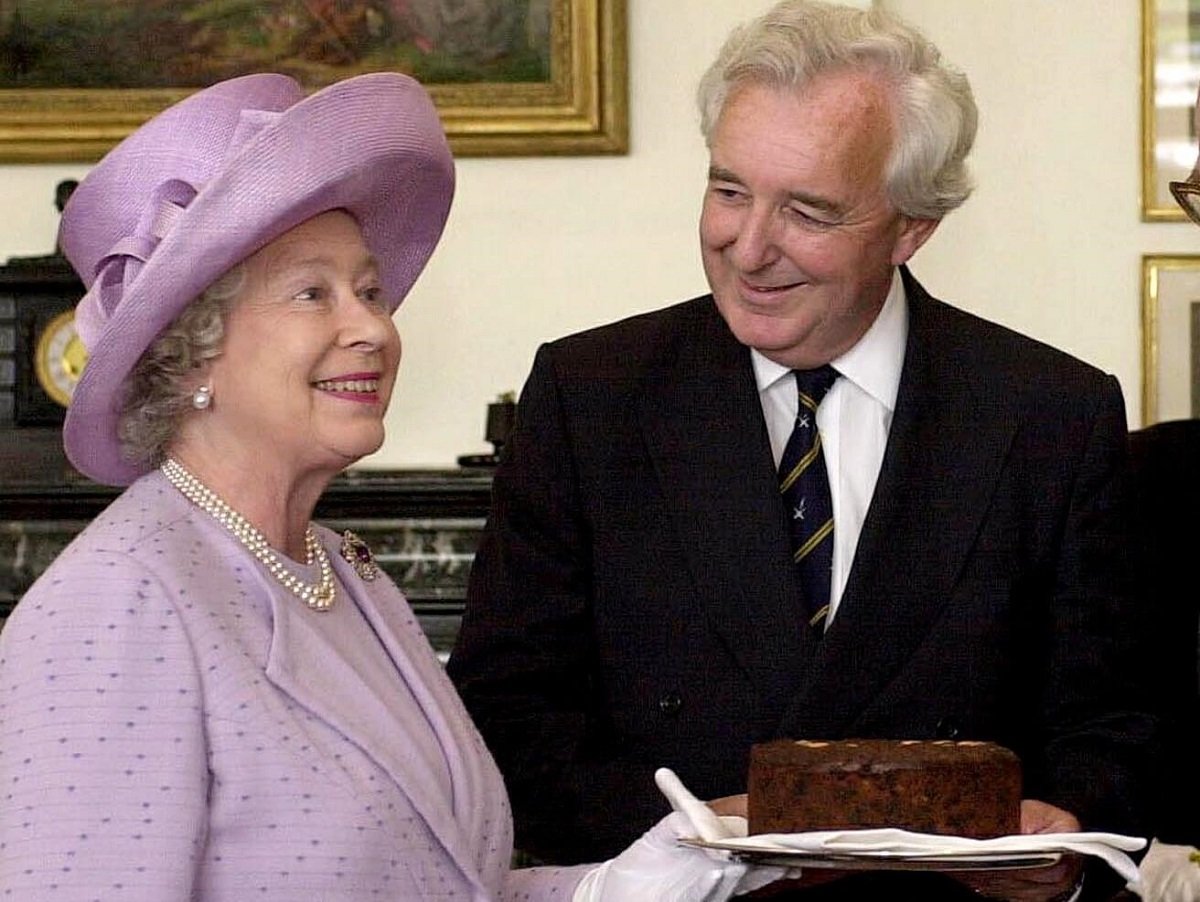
657,867
1170,873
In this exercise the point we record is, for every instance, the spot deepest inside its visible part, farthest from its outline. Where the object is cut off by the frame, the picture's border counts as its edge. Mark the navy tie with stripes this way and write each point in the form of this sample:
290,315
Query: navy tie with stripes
804,485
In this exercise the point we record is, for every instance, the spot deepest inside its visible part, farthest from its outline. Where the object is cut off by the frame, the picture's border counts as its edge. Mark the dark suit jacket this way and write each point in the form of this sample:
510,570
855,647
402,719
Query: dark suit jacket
633,603
1166,467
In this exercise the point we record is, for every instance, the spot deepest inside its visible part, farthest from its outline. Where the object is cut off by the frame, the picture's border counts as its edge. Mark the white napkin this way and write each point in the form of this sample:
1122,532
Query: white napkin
1110,847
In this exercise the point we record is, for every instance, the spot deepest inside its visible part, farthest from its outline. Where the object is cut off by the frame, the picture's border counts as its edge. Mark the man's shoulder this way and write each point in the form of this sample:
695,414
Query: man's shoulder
663,354
644,335
987,348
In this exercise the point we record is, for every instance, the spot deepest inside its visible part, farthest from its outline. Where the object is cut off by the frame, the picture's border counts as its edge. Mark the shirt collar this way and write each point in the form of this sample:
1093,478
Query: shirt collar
873,363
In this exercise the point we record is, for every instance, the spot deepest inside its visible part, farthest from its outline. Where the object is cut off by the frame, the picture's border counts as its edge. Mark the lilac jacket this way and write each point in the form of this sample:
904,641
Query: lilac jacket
175,725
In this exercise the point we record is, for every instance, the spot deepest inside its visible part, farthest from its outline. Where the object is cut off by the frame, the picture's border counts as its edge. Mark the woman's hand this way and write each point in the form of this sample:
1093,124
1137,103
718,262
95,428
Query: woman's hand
1170,873
659,867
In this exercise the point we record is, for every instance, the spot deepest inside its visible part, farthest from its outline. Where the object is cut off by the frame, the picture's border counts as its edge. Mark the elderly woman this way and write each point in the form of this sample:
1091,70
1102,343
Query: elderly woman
207,696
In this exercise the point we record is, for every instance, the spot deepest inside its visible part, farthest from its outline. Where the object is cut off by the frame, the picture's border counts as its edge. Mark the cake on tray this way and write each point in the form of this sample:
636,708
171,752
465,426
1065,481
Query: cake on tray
959,788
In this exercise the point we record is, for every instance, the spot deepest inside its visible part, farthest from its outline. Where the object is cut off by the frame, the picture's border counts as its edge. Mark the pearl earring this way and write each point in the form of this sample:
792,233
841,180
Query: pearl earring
202,397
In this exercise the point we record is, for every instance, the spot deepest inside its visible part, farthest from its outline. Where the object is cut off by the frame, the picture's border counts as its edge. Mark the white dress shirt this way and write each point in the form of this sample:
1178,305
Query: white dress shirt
854,420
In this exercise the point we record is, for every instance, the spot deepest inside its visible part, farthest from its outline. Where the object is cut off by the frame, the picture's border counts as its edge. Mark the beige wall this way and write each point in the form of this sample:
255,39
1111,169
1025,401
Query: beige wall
538,247
1051,242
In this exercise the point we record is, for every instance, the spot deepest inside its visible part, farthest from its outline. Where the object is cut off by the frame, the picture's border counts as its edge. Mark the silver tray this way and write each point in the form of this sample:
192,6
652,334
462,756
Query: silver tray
881,860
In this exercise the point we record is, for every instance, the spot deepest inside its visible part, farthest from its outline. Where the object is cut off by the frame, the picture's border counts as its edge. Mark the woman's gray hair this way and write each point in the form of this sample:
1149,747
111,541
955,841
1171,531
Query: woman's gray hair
935,114
159,389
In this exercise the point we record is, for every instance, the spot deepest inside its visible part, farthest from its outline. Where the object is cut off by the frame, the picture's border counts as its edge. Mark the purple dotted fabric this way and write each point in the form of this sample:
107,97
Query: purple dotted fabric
175,726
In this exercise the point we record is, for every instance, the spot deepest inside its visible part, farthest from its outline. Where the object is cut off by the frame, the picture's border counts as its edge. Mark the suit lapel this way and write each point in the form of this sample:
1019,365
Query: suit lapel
300,663
946,448
705,433
478,797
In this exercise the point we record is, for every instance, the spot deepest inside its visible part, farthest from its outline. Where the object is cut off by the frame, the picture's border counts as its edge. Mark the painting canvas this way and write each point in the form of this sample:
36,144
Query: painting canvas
1170,337
509,76
188,43
1170,79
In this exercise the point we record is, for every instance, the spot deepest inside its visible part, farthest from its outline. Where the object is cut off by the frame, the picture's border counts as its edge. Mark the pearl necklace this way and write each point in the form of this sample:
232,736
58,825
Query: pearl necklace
319,597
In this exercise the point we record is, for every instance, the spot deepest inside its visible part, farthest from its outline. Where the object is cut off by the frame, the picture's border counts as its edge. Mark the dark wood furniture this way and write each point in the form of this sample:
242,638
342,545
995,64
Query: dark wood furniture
422,525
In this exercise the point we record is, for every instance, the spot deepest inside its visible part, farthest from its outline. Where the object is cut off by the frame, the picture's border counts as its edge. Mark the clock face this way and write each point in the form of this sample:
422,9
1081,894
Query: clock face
59,358
36,329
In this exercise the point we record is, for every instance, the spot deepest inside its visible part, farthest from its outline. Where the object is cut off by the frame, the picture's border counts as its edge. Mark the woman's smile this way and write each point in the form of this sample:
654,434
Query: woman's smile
360,387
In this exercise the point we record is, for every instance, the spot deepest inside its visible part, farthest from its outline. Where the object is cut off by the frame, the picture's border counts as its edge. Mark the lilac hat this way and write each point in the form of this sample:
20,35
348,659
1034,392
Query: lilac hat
209,181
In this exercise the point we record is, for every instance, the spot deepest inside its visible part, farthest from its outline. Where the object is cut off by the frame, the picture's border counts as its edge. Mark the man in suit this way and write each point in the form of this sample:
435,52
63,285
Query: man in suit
1167,480
636,600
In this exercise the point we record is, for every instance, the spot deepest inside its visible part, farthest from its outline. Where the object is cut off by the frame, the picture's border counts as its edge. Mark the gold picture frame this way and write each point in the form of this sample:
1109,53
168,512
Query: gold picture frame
1170,337
581,109
1170,79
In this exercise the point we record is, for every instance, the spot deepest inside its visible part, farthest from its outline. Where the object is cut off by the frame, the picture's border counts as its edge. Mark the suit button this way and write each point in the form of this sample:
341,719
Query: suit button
947,728
670,704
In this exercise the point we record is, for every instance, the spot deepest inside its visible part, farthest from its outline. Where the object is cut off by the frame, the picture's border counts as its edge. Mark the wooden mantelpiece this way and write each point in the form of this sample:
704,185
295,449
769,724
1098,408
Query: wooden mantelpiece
422,525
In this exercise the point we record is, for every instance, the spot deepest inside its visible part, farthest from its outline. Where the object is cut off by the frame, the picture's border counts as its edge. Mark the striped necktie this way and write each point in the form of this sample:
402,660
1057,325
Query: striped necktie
804,486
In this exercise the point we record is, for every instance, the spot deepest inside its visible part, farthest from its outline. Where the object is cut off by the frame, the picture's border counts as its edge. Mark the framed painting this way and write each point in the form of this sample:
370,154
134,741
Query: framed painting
510,77
1170,337
1170,79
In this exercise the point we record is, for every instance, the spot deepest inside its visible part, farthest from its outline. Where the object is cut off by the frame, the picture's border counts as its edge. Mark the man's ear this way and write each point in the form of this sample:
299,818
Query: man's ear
913,233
